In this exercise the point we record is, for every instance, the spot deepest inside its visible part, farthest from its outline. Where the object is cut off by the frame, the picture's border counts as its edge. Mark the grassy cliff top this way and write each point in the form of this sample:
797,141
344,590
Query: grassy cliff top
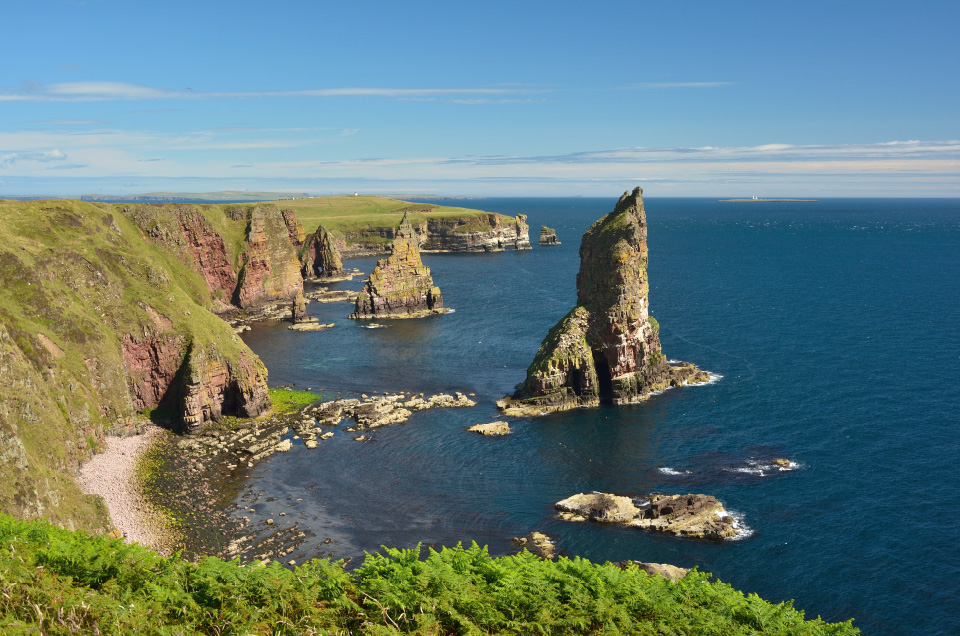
346,213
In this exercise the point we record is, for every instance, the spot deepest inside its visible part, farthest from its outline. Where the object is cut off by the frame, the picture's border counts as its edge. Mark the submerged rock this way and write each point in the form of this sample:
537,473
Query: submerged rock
548,236
607,349
695,516
400,286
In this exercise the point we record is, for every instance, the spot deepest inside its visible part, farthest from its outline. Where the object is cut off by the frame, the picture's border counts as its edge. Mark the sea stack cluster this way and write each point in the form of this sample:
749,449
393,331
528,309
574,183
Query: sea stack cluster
400,286
607,349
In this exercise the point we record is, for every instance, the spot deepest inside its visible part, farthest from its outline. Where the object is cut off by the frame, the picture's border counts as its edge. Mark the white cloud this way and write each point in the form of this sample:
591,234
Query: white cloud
114,91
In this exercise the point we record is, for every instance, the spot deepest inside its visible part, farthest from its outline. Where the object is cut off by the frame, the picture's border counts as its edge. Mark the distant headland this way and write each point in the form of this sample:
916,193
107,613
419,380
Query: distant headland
756,200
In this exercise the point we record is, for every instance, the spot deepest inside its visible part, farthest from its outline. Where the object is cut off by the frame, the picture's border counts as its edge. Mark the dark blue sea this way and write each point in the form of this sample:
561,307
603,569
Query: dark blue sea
833,328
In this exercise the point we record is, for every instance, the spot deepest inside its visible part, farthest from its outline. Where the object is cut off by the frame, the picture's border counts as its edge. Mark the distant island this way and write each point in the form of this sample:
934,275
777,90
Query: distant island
756,200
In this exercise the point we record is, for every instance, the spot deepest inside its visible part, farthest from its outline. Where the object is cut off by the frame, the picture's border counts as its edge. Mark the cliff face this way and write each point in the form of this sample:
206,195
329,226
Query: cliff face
208,252
399,286
608,348
101,318
321,255
481,232
490,233
270,267
247,255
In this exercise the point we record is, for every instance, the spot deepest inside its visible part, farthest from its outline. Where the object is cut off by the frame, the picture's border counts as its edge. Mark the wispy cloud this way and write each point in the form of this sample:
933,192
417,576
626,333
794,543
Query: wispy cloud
118,91
14,158
66,122
680,84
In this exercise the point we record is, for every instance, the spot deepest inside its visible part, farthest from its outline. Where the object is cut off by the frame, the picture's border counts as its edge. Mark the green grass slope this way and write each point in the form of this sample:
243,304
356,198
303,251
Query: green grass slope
74,278
57,582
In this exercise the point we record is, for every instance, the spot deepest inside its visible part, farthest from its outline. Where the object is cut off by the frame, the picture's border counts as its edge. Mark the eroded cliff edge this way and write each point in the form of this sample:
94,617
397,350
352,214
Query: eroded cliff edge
106,316
607,349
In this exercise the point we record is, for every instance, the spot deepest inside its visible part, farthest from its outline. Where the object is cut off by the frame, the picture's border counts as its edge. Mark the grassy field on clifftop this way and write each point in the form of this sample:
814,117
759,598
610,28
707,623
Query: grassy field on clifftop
345,214
53,581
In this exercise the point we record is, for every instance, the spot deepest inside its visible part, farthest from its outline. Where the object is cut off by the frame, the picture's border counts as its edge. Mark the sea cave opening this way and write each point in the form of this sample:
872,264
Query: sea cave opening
604,377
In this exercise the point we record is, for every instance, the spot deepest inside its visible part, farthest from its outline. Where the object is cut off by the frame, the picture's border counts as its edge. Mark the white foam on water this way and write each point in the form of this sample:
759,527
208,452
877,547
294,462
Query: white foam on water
743,530
666,470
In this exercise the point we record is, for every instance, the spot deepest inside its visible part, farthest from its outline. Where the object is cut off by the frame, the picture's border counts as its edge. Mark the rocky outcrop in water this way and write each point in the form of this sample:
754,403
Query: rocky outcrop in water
321,256
548,236
298,309
400,286
693,516
607,349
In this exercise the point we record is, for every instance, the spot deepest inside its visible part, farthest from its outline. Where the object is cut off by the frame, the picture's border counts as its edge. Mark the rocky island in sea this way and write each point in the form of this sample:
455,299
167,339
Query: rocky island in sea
400,286
548,236
607,349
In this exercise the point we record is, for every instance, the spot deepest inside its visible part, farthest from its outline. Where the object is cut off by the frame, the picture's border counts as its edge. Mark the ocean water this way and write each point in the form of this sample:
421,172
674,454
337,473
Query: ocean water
833,331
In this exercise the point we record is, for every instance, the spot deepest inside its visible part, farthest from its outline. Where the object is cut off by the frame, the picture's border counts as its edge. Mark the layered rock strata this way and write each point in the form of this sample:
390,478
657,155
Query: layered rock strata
478,232
248,256
400,286
693,516
607,349
548,236
321,256
270,268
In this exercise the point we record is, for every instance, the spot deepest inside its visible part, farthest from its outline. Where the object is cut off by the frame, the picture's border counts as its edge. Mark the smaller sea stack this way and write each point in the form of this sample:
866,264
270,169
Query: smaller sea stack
548,236
320,256
400,285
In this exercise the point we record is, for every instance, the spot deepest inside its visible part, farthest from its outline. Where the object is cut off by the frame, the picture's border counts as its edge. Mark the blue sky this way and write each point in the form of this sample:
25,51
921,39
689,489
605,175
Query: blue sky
494,98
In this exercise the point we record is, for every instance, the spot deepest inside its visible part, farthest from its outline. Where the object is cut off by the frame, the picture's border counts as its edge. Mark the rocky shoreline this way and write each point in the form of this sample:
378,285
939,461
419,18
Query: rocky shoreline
199,477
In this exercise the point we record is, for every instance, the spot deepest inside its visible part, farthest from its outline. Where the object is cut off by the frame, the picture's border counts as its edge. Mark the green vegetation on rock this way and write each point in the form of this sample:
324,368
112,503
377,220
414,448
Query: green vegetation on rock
54,581
290,401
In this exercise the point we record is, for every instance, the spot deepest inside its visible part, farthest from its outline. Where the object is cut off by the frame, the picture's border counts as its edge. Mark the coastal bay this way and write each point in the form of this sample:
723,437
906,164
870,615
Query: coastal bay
788,313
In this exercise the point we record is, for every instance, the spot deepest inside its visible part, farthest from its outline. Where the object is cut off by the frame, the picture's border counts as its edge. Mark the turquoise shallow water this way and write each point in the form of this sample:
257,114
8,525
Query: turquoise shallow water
834,326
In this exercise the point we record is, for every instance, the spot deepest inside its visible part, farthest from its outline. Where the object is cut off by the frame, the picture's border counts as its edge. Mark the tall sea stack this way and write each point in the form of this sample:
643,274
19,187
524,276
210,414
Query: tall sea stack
607,349
321,257
400,285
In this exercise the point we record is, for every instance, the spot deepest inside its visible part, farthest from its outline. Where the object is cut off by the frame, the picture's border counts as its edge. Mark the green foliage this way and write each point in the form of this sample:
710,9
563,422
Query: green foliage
288,401
55,581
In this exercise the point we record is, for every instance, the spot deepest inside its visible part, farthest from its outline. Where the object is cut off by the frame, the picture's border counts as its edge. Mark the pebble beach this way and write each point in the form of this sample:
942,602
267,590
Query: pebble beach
112,475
